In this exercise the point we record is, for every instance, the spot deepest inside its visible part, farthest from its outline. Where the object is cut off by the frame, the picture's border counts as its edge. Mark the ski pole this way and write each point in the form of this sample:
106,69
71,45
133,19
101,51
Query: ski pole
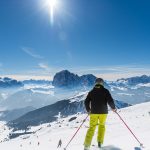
76,132
129,129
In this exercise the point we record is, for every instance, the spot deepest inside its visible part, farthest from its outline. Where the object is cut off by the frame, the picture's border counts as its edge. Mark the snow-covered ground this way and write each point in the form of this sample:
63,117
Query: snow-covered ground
117,136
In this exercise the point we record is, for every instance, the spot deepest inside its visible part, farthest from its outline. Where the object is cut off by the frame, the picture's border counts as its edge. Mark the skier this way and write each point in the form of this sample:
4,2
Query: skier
59,143
96,105
38,143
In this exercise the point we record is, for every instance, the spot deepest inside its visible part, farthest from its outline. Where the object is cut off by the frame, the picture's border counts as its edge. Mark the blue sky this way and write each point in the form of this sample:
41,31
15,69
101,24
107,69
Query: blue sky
109,38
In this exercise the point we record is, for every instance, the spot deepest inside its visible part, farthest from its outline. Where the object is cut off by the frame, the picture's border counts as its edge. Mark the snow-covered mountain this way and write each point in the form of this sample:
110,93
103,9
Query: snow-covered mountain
28,97
144,79
9,115
49,113
131,90
46,136
8,83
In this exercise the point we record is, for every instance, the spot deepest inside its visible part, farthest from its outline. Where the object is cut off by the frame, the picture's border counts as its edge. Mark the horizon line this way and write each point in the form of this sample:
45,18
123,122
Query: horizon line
105,76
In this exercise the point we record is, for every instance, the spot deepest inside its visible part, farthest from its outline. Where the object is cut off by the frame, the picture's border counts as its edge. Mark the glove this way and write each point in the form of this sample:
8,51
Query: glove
114,110
89,111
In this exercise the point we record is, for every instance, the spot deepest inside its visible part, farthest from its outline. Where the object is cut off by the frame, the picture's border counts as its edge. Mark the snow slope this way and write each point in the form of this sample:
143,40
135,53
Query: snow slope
117,136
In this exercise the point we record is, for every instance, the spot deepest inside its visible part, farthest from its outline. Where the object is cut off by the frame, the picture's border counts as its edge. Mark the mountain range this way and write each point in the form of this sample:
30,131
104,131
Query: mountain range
8,82
54,97
50,113
65,78
144,79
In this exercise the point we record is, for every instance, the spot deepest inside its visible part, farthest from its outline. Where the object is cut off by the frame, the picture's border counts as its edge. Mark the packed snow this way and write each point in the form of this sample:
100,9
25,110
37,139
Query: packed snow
118,137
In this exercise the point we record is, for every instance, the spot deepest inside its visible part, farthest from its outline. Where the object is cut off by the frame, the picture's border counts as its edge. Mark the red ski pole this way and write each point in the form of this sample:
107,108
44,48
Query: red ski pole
129,129
76,132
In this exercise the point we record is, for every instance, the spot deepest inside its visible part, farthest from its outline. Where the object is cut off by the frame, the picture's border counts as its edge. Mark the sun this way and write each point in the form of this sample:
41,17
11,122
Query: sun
53,8
52,5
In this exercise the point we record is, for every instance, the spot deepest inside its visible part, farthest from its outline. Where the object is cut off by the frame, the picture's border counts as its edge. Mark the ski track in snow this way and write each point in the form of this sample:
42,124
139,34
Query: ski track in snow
117,135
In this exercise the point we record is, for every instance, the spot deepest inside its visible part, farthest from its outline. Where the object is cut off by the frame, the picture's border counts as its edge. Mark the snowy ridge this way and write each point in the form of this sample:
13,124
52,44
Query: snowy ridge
48,113
117,135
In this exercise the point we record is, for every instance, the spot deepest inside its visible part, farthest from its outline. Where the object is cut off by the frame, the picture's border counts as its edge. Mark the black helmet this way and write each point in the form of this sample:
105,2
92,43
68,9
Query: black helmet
99,81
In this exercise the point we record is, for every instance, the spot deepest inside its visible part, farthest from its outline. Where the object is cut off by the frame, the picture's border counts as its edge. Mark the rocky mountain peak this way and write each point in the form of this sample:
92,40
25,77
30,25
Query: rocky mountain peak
67,79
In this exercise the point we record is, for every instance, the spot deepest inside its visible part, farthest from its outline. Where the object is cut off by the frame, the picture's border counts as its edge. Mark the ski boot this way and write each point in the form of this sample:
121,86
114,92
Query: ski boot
99,145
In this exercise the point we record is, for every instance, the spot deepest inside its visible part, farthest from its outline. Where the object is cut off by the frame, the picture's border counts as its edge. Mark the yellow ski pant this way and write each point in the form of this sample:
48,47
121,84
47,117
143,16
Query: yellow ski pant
96,119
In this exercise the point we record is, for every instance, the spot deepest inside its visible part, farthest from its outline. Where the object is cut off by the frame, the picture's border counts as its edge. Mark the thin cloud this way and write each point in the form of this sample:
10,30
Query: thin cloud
115,69
44,66
22,77
114,72
30,52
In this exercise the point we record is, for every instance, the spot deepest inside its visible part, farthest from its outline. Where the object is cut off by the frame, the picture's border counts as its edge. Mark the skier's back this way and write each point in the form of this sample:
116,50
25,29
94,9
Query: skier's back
96,104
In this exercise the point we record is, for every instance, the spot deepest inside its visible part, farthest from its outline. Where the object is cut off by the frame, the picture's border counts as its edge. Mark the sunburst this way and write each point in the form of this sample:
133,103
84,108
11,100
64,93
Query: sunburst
52,5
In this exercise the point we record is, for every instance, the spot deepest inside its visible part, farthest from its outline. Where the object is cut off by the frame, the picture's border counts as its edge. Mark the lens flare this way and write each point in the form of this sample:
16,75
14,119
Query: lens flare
52,4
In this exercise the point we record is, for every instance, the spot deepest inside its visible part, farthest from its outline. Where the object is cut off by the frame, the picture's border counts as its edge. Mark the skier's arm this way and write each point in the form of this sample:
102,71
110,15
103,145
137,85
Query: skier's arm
110,101
87,102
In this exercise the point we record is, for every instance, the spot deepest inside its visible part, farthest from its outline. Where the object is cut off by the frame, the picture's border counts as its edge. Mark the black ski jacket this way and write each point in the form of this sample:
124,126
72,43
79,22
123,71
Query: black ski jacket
97,100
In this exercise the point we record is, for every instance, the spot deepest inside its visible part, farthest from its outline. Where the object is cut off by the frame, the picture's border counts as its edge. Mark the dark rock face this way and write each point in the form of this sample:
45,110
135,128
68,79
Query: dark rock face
88,80
67,79
71,119
15,135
